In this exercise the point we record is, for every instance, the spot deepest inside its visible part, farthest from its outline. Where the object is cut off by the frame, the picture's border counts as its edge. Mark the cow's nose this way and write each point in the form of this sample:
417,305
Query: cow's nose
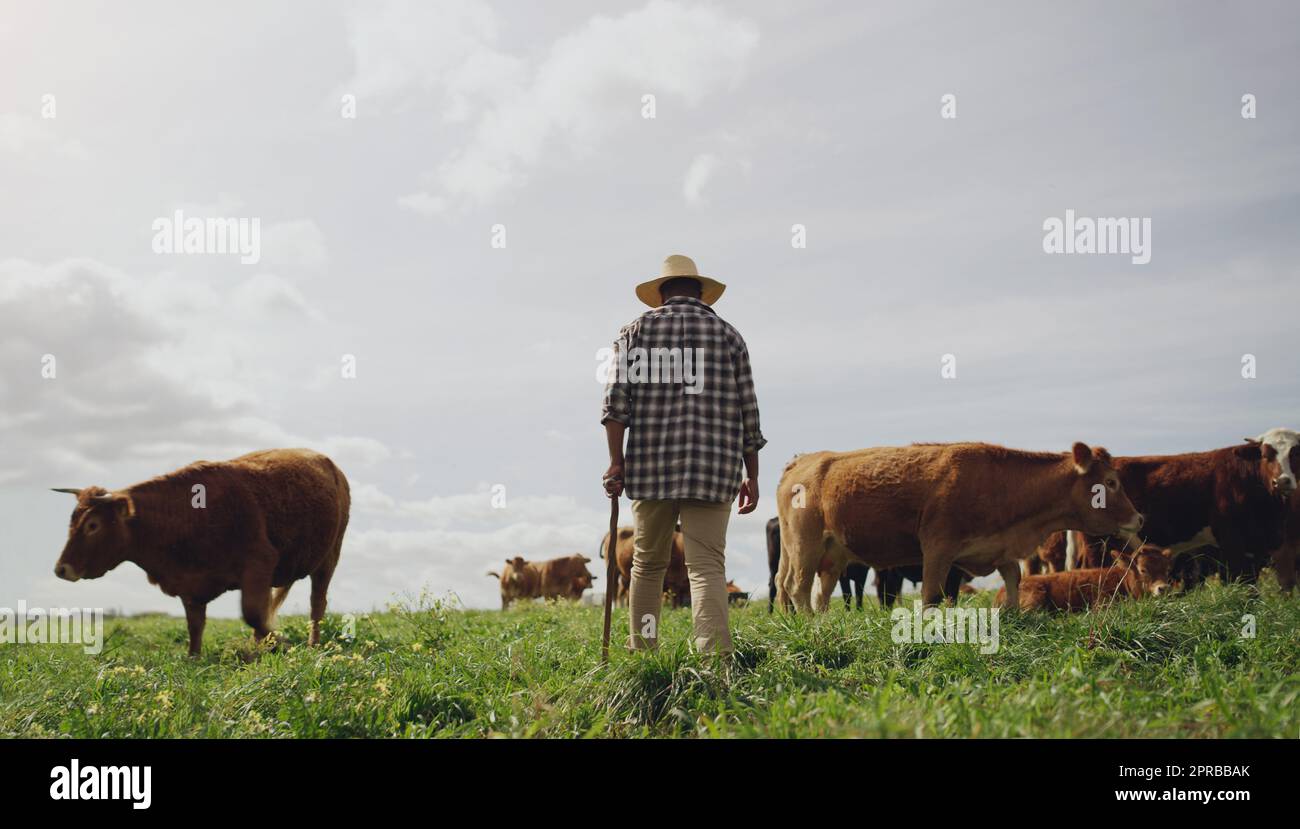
1284,483
63,571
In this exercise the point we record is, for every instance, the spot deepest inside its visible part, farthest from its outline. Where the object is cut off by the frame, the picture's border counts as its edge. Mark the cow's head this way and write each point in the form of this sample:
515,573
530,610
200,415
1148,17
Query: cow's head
1098,495
582,578
515,568
1153,566
99,534
1279,458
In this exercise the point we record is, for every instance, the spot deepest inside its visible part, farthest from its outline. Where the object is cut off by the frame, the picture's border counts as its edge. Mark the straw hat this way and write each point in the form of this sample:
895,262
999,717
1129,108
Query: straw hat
673,267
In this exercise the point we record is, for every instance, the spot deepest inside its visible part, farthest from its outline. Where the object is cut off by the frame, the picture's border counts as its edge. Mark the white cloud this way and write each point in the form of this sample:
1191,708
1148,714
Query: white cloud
423,203
446,46
697,176
573,96
296,243
24,133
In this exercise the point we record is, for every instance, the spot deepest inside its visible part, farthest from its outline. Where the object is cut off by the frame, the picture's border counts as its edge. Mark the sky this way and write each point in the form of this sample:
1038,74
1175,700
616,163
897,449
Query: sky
475,363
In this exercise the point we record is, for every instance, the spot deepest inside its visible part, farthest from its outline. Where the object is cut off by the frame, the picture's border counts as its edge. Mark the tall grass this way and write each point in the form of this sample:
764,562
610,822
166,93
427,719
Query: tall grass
1174,667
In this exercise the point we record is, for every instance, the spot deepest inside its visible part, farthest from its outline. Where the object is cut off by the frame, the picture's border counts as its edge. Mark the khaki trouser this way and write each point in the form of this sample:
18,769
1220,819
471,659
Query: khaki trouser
704,527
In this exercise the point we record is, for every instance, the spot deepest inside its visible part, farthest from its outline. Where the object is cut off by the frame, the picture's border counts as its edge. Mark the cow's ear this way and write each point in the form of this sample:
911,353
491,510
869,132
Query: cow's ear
1082,457
584,559
1101,455
1248,452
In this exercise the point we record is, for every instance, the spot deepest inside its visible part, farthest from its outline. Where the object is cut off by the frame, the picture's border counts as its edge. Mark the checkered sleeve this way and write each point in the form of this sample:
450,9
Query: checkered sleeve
753,435
617,403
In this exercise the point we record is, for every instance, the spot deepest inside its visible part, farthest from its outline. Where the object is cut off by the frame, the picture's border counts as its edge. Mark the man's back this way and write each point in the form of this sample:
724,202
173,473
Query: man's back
681,382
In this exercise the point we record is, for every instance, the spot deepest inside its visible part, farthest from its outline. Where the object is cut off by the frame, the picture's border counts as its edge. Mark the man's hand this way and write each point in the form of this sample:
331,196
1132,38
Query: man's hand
613,480
748,498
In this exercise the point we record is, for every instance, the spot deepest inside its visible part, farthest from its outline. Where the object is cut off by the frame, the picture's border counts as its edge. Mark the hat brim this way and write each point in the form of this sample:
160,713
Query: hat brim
710,289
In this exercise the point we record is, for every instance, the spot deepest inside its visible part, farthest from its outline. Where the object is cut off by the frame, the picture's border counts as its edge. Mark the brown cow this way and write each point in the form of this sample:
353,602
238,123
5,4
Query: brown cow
265,520
677,582
1232,498
975,504
566,577
1132,574
557,578
519,580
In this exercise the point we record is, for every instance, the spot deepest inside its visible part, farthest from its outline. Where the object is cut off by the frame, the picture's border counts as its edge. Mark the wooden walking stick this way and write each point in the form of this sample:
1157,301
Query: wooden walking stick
610,577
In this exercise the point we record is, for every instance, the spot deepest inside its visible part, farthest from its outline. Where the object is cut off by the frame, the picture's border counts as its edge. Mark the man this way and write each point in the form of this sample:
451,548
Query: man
681,388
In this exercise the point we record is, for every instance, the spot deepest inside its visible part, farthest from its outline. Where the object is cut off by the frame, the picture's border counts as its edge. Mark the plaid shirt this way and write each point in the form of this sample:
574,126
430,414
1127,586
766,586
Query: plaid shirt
691,412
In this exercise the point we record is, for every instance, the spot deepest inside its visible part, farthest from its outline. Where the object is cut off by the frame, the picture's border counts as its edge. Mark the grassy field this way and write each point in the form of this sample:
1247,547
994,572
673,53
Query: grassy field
1176,667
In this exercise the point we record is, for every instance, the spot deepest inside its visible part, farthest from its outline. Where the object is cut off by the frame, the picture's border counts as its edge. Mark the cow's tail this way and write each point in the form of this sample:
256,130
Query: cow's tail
494,574
278,595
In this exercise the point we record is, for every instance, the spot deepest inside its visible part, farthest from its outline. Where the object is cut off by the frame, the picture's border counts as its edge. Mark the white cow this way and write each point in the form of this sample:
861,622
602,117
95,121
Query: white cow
1285,442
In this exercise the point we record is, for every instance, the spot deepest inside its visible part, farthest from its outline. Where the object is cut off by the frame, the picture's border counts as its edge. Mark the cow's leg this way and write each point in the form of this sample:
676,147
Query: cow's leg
937,562
782,583
828,579
952,585
255,602
196,616
785,591
320,584
803,547
255,598
859,584
833,569
801,595
1011,575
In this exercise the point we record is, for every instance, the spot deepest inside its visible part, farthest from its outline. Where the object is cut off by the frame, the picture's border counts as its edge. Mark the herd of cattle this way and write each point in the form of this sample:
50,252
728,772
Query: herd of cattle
1098,525
1083,525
